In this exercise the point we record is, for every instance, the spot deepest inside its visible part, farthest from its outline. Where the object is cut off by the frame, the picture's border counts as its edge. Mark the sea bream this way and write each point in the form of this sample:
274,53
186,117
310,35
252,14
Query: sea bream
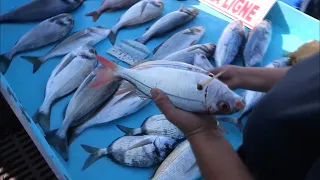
64,79
180,164
89,36
187,55
38,10
141,12
154,125
230,43
45,33
111,5
201,61
133,151
168,23
257,43
187,90
178,41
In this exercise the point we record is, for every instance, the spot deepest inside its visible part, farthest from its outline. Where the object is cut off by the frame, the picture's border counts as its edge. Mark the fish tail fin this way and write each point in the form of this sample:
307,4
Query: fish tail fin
130,131
107,74
36,61
43,120
59,143
113,36
95,15
95,154
234,121
5,60
142,39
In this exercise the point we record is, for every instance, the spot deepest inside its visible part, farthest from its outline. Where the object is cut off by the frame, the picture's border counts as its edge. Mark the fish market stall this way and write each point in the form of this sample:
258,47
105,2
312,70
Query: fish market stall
49,69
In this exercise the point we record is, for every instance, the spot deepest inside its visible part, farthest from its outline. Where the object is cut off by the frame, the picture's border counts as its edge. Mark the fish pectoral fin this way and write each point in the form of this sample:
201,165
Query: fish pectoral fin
141,95
65,62
158,47
141,143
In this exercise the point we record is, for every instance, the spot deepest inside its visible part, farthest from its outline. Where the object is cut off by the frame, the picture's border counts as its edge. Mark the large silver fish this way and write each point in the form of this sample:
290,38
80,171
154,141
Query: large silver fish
229,44
46,32
111,5
187,55
38,10
201,61
180,164
154,125
187,90
141,12
178,41
252,98
89,36
168,23
64,79
134,151
258,43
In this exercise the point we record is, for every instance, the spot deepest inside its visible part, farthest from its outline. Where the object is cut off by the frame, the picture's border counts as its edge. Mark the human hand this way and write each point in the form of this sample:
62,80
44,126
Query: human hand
189,123
230,76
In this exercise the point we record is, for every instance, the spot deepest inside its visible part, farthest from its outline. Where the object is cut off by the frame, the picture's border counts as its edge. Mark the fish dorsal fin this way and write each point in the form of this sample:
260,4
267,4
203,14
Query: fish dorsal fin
181,8
134,66
141,95
148,28
123,96
85,83
66,62
141,143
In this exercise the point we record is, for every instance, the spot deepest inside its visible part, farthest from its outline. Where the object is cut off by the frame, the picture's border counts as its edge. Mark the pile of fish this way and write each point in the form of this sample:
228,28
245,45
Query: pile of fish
104,91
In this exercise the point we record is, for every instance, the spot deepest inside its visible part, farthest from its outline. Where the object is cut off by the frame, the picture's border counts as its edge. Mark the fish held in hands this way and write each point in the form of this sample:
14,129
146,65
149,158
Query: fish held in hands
181,87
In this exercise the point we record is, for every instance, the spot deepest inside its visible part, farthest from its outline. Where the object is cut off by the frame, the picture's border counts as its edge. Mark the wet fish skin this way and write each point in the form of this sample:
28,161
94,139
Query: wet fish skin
187,55
141,12
45,33
89,36
64,79
154,125
133,151
38,10
229,44
178,41
180,164
111,5
168,23
202,61
257,43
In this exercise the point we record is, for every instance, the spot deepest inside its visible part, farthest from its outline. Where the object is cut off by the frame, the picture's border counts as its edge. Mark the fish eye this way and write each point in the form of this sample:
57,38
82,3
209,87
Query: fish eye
93,51
224,107
211,75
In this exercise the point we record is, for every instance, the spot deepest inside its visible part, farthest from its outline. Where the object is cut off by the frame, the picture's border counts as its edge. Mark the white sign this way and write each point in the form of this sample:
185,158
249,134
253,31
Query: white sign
250,12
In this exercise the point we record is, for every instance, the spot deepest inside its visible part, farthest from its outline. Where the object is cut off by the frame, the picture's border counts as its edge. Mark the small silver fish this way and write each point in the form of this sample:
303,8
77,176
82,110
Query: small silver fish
168,23
111,5
46,32
187,55
230,43
258,43
64,79
154,125
89,36
202,61
133,151
178,41
180,164
38,10
141,12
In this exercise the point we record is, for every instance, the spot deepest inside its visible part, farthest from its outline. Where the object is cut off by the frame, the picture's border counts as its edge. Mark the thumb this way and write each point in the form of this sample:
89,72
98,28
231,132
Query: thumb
163,102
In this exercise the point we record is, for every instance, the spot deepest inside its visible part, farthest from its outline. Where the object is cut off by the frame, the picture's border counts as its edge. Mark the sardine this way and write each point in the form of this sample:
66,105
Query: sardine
178,41
141,12
46,32
180,164
252,98
64,79
202,61
187,90
111,5
187,55
258,43
230,43
89,36
154,125
133,151
38,10
168,23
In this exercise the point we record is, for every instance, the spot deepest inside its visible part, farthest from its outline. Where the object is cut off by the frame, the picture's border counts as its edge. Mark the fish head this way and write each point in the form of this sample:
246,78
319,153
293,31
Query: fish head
190,11
197,30
157,3
237,26
87,52
74,1
208,49
65,20
266,27
221,100
164,145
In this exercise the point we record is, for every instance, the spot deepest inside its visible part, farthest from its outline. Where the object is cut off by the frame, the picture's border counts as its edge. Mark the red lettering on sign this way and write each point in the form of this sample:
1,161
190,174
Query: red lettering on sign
245,9
252,12
225,5
231,5
237,6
